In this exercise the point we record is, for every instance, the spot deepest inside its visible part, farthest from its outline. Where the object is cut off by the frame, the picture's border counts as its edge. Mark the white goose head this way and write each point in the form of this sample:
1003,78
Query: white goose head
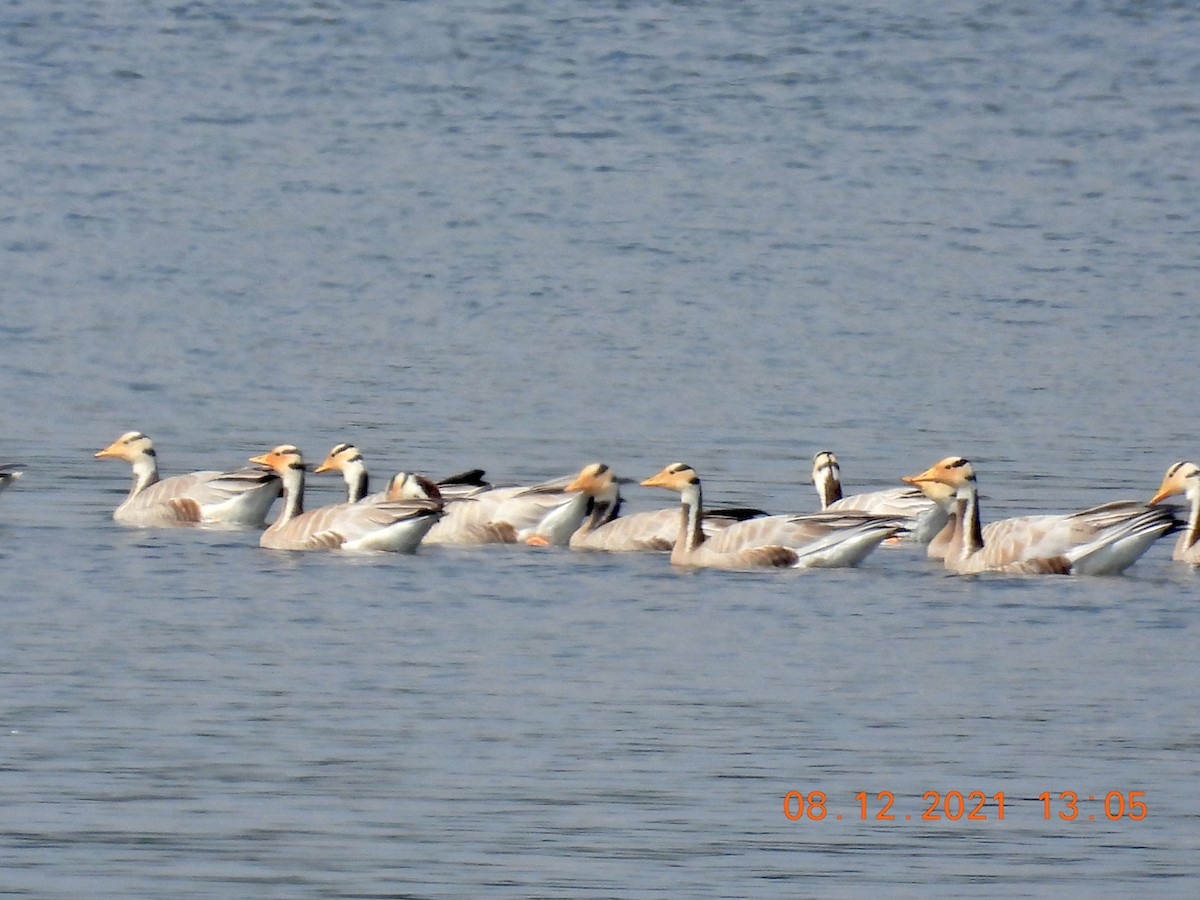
340,458
827,476
131,446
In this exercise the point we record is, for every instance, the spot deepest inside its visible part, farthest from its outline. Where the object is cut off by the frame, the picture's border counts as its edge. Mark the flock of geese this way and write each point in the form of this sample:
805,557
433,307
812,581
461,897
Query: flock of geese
939,509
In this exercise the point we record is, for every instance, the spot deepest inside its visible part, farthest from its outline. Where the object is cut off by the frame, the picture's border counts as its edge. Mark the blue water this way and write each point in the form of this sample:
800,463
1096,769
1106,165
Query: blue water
531,236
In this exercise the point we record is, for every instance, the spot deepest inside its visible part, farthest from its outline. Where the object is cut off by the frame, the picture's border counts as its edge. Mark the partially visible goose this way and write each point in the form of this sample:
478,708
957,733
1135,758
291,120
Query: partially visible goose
240,497
606,529
10,472
1184,478
348,459
1104,540
1057,527
545,514
817,540
924,517
369,524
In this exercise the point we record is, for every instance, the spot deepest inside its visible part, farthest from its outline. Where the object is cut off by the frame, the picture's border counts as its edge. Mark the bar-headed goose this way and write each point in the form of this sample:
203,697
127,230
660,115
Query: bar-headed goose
1184,478
1104,540
925,518
543,514
240,497
817,540
607,529
369,524
348,459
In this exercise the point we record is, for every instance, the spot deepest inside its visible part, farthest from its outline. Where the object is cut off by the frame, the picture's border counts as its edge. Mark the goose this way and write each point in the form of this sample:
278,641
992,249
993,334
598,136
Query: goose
1184,478
237,498
924,517
369,524
9,473
348,459
543,514
1016,527
817,540
606,529
1103,540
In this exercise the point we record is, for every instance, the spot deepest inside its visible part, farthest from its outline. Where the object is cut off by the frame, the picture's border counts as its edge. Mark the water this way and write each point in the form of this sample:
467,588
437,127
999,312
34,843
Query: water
527,237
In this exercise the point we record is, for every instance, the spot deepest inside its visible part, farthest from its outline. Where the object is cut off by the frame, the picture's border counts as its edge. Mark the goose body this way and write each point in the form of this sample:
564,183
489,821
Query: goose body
819,540
373,523
1184,478
1103,540
239,497
507,515
608,530
924,517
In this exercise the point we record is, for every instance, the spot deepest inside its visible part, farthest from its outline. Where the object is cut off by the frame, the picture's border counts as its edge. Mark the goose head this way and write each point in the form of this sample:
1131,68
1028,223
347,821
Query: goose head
825,467
675,477
1181,478
340,458
944,479
283,459
597,481
130,446
827,476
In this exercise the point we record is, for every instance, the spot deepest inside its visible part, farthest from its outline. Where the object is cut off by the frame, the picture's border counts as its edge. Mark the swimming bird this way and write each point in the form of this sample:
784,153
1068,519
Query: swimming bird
925,518
541,514
348,459
1184,478
1103,540
240,497
397,526
605,528
9,473
815,540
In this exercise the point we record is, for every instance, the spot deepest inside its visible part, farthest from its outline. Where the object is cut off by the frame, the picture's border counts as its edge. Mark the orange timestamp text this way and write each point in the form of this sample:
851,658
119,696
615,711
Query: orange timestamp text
968,806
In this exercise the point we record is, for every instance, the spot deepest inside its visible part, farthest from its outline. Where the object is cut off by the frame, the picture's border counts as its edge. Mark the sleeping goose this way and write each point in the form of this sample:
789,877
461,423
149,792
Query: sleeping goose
10,472
924,517
1184,478
816,540
369,524
606,529
240,497
1104,540
348,459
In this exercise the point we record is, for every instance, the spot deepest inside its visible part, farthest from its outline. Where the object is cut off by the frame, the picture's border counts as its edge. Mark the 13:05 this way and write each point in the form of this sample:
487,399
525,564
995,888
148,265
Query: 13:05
1117,805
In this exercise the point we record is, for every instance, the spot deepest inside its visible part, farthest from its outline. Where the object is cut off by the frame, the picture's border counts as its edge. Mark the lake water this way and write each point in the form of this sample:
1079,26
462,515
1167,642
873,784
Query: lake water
528,236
